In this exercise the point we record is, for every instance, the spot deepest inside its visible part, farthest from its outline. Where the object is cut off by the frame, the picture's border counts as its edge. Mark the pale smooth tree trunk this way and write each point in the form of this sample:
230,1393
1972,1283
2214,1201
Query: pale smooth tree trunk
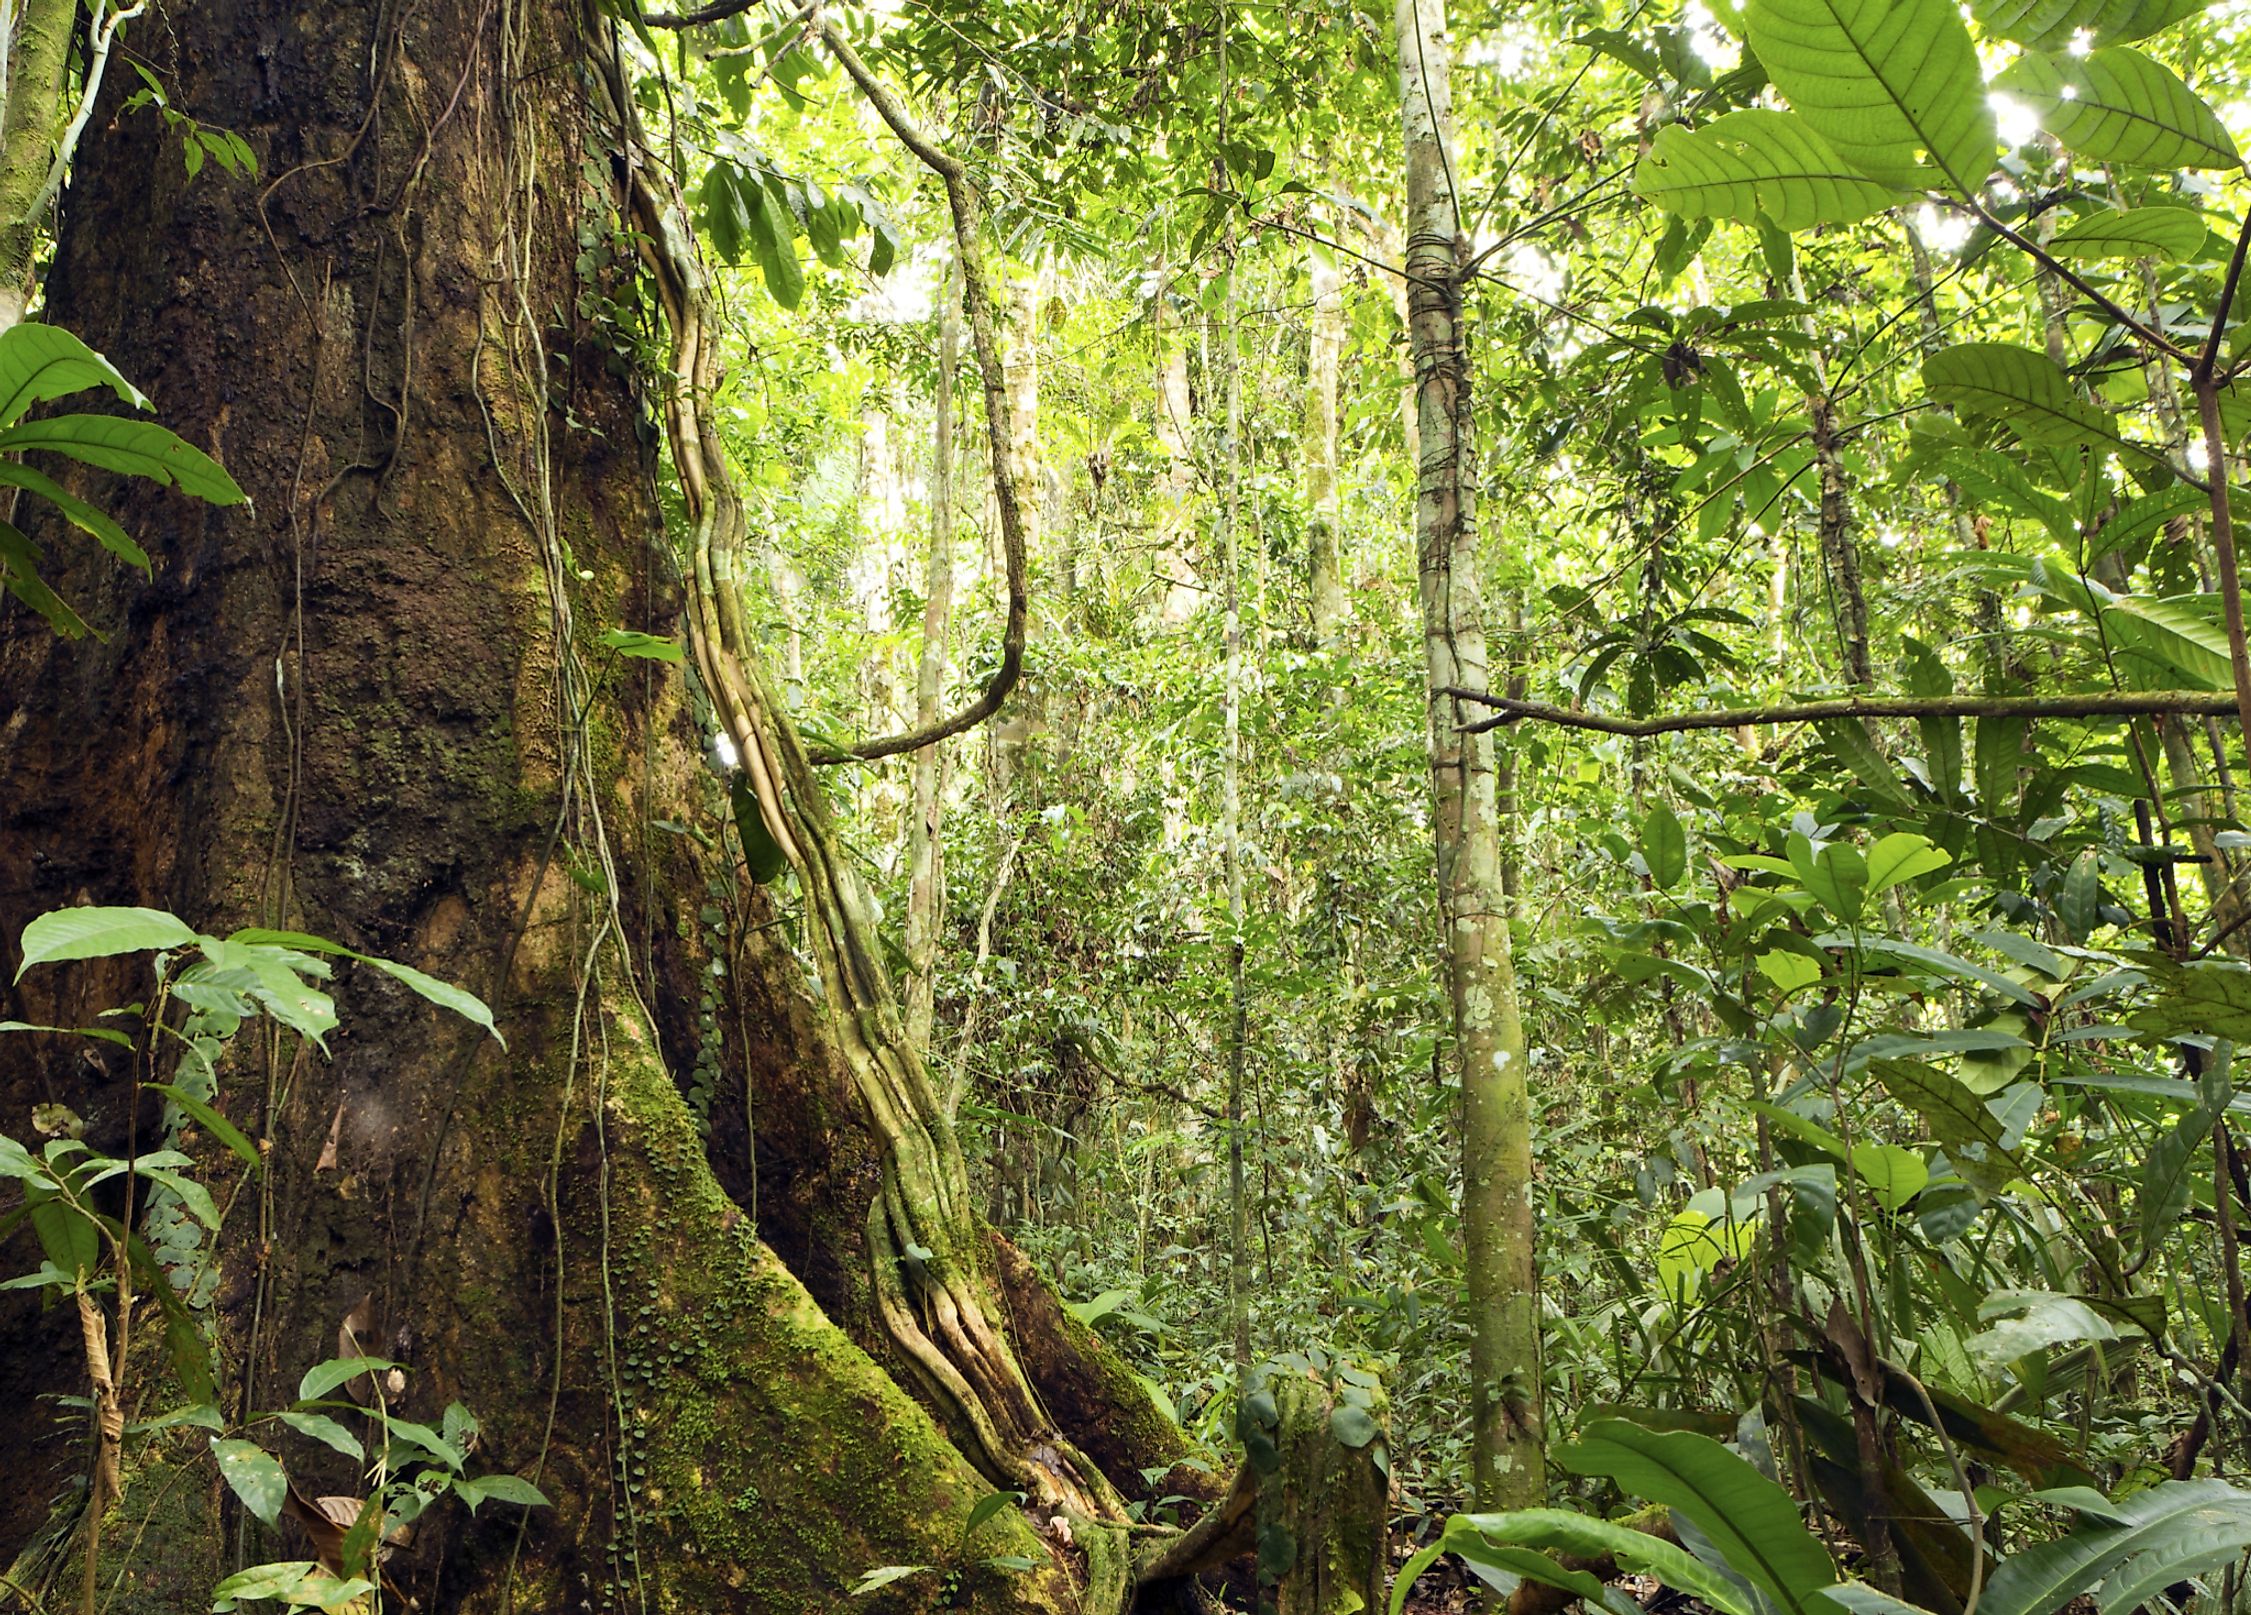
1176,588
1324,563
926,876
1489,1048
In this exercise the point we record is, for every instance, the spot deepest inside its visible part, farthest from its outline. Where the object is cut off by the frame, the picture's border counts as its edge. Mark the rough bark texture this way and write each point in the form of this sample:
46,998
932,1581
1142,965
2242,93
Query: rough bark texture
1473,903
362,707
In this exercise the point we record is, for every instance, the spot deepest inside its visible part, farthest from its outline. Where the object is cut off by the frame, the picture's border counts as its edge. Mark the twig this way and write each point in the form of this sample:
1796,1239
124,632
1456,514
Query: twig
2097,704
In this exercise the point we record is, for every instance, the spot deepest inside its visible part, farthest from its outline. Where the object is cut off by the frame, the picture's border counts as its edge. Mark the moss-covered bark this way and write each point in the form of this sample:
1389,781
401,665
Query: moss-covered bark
362,706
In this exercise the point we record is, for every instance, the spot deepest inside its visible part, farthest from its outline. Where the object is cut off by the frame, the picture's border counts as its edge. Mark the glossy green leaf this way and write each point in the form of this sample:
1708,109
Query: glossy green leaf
1892,85
1752,1521
2169,233
1664,847
135,448
2120,106
99,933
1475,1537
2045,1576
255,1476
38,362
1756,164
2057,24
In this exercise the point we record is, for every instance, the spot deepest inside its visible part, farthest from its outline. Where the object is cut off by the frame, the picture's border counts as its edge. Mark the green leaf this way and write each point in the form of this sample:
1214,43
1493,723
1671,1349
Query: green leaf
1750,1519
209,1119
653,647
1756,164
1949,964
1838,878
987,1506
1353,1427
2026,1321
2119,106
762,854
1848,739
2021,387
1889,84
38,362
99,933
324,1377
2170,233
2158,1522
2211,998
500,1489
1664,847
19,573
261,1581
135,448
1957,1118
325,1430
773,235
2056,24
884,1576
105,530
1900,856
1486,1539
2175,636
2082,894
444,994
1789,971
2171,1165
256,1478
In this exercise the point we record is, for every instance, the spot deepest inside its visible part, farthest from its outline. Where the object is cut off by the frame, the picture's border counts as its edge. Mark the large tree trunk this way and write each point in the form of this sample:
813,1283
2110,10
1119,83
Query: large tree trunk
1506,1447
371,705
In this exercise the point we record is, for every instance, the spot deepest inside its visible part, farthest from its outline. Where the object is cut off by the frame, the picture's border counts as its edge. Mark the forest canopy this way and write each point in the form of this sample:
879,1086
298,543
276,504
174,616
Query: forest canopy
1057,807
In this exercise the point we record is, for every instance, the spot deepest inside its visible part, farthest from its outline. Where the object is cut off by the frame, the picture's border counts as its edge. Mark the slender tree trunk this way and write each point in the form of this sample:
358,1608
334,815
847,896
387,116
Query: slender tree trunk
1231,821
926,880
1488,1033
1324,348
1176,589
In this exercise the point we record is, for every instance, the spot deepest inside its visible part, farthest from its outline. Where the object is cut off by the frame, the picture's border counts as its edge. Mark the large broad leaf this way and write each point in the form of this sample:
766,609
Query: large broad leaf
135,448
2211,998
39,362
19,575
2142,232
2120,106
2168,1524
112,537
2167,1177
444,994
255,1475
98,933
1756,164
1750,1519
2184,646
1486,1539
1959,1119
1890,84
2056,24
2024,388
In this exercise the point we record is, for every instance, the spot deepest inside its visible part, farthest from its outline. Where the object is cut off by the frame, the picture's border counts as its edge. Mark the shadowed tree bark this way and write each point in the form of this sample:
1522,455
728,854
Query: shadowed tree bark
374,705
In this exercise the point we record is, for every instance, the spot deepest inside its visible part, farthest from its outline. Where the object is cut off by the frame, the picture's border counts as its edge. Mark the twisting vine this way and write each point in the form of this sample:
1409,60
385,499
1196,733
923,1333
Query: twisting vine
930,1276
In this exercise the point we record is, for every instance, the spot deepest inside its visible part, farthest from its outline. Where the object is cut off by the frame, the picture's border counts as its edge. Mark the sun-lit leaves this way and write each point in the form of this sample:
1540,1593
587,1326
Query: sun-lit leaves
1755,164
1892,85
2119,105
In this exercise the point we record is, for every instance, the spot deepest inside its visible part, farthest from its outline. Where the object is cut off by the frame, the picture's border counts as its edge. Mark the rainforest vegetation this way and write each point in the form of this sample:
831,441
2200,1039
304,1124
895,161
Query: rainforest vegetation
1066,806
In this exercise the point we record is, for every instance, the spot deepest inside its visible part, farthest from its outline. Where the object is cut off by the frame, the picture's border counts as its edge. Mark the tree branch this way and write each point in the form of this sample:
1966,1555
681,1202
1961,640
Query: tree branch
2093,704
719,11
977,303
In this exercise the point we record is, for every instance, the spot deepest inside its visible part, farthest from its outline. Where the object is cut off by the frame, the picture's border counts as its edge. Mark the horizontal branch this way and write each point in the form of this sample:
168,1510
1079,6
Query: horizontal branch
2093,704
